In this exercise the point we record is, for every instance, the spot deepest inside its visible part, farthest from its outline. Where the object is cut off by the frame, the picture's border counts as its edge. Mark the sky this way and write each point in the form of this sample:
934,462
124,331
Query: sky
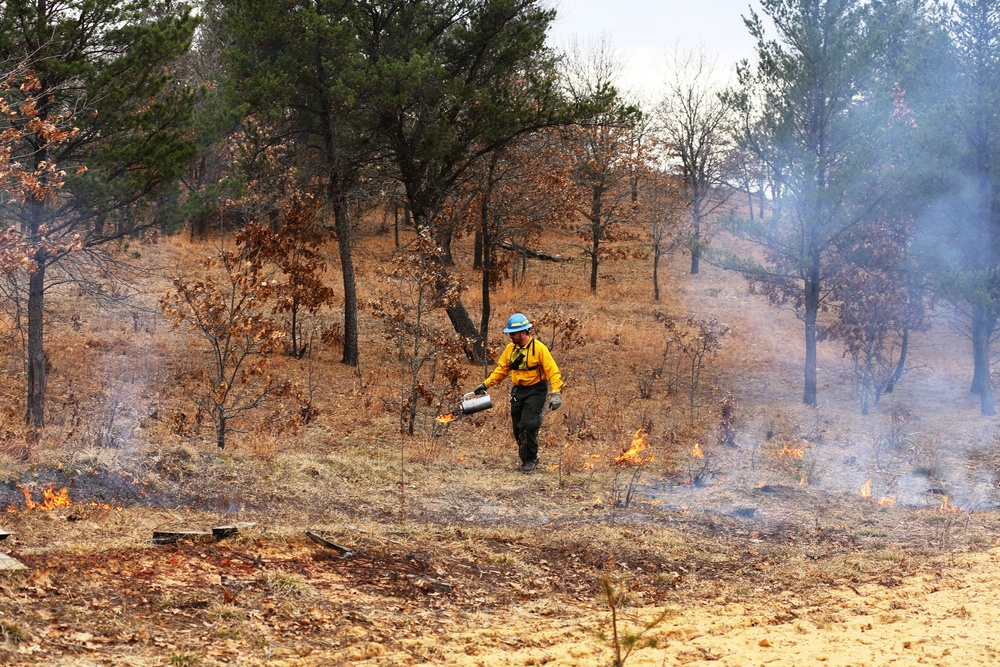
643,33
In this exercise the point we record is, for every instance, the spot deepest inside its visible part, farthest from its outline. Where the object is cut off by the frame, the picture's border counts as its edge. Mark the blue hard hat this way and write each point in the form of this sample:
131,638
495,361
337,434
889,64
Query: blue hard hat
517,322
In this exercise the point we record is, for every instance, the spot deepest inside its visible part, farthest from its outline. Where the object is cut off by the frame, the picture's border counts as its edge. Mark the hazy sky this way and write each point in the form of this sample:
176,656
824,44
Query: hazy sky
642,32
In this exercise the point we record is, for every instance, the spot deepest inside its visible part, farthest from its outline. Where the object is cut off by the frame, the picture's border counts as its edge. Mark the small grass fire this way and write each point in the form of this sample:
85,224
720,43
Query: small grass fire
628,466
866,492
51,499
637,454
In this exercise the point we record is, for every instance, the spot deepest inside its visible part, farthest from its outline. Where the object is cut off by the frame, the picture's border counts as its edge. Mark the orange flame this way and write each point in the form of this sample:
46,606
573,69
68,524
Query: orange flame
696,451
793,452
50,499
638,453
446,418
866,492
946,507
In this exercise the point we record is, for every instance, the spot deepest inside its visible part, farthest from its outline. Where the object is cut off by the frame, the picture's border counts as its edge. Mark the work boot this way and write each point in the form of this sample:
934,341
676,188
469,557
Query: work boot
528,467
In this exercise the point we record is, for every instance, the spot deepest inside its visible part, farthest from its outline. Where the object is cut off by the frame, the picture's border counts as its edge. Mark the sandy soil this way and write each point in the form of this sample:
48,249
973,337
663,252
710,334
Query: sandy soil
944,617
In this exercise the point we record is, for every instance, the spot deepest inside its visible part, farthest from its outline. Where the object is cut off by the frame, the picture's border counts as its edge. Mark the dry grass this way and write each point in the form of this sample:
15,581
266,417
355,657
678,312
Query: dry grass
447,505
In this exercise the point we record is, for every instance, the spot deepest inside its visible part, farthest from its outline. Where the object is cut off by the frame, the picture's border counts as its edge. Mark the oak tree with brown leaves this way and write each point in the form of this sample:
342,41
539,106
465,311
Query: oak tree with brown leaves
603,164
228,308
428,353
30,184
879,305
663,212
294,252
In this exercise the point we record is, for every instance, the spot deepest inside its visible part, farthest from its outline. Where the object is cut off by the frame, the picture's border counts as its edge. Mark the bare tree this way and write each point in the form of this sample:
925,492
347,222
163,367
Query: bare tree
662,210
604,153
694,127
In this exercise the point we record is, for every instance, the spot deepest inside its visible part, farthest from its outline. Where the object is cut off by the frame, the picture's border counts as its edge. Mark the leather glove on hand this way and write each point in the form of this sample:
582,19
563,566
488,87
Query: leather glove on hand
555,400
480,390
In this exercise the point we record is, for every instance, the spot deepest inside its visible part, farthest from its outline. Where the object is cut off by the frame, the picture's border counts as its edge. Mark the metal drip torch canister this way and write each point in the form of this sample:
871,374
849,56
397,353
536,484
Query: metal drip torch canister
472,403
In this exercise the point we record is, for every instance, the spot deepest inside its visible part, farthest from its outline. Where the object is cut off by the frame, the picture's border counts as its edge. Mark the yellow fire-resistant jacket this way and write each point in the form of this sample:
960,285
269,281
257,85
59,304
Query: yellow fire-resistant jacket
536,365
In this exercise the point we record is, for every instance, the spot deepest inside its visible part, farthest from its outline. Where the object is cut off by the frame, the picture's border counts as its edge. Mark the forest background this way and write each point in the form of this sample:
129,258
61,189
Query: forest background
265,245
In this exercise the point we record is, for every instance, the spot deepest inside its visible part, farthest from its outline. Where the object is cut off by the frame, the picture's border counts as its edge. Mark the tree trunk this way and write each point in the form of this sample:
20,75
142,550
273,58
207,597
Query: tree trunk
696,246
697,216
484,321
595,226
220,429
294,316
36,371
445,234
35,416
463,324
809,394
395,224
983,324
904,347
656,274
199,226
464,327
484,254
343,227
593,266
477,251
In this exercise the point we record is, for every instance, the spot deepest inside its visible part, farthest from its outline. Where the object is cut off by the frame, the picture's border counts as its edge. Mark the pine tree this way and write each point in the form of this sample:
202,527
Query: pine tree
102,66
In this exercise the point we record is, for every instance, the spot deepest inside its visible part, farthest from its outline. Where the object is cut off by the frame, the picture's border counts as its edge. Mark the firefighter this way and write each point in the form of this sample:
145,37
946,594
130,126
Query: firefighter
534,374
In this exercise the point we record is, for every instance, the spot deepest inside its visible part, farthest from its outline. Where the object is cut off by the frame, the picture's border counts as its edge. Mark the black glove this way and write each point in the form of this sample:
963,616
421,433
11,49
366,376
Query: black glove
480,390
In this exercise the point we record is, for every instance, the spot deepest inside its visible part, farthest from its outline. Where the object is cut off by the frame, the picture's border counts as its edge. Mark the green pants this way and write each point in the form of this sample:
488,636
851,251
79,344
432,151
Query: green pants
526,405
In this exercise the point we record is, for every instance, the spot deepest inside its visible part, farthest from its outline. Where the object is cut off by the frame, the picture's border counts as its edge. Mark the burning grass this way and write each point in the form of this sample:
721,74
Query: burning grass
468,540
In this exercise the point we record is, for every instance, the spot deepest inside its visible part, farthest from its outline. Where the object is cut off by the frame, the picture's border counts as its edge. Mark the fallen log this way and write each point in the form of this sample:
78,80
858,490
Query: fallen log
329,544
527,252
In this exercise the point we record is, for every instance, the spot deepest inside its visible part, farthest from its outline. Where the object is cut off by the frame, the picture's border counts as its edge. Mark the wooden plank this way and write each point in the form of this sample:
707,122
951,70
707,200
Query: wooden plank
8,564
172,536
222,532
